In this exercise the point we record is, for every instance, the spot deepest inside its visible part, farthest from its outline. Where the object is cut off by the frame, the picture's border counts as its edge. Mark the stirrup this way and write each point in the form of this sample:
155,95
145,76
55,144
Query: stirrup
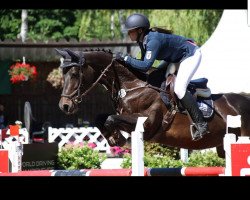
196,135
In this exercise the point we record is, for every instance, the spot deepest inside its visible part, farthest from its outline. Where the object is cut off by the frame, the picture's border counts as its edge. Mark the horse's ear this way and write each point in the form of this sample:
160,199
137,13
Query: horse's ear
61,52
73,55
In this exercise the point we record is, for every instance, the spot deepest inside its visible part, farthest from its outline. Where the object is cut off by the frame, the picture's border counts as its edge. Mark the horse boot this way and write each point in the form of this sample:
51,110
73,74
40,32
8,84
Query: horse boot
196,115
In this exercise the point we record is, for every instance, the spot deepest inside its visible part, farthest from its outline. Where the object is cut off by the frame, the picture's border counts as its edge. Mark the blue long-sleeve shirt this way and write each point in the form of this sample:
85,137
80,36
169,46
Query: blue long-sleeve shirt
160,46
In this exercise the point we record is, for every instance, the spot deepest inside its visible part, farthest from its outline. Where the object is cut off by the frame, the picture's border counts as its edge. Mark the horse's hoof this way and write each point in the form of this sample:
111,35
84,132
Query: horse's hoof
111,141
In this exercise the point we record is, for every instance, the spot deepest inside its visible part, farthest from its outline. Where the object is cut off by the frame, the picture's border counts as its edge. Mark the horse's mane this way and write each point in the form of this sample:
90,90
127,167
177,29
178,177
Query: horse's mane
140,75
100,50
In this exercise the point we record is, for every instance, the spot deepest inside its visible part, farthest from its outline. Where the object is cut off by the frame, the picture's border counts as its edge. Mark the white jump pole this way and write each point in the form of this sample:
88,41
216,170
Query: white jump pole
1,139
229,138
184,155
15,155
138,148
248,12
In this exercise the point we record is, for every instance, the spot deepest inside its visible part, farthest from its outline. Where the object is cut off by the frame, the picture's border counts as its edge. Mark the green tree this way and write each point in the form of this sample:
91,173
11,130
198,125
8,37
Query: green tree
10,21
196,24
42,24
53,24
96,24
104,24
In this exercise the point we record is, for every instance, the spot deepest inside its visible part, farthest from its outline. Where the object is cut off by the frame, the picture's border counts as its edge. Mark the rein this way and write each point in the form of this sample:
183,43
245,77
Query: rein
146,86
97,80
78,98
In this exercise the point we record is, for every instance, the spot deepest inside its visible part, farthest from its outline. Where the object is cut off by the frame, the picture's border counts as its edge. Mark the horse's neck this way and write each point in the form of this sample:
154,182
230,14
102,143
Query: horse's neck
126,78
123,77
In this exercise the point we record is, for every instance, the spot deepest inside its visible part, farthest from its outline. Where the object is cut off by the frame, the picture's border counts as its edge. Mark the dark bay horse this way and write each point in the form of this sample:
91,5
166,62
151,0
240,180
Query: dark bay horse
133,97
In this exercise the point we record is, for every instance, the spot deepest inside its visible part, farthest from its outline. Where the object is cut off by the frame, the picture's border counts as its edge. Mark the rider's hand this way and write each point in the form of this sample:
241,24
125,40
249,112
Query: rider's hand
120,57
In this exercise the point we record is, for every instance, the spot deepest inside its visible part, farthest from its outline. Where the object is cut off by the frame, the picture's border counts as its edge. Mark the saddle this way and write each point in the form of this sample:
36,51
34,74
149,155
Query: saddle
201,93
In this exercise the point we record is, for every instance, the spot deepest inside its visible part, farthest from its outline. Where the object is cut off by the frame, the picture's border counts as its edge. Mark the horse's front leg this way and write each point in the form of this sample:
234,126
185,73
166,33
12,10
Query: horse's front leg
117,123
153,124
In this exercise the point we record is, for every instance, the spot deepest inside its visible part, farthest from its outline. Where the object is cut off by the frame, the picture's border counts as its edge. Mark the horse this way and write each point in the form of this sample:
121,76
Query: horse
137,94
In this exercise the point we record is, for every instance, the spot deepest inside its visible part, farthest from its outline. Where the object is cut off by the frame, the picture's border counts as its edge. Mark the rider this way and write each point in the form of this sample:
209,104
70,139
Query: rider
161,44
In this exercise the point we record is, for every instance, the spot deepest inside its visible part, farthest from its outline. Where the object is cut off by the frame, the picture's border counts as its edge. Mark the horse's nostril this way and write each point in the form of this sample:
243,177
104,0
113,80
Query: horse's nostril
66,107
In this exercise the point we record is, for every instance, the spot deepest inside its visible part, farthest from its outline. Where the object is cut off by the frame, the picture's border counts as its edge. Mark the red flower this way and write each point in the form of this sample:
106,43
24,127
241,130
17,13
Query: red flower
22,72
116,150
92,145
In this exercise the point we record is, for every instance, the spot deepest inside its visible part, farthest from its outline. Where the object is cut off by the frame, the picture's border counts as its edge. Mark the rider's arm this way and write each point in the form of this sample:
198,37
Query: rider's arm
153,47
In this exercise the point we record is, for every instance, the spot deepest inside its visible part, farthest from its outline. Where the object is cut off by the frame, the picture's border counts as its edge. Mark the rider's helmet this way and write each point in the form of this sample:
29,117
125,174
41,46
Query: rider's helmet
137,21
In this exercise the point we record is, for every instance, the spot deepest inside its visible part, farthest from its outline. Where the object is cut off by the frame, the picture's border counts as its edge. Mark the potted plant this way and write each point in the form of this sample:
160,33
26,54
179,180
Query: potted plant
20,72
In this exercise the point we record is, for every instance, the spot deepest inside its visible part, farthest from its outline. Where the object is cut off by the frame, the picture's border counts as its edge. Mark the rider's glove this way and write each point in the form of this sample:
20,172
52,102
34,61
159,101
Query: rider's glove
120,57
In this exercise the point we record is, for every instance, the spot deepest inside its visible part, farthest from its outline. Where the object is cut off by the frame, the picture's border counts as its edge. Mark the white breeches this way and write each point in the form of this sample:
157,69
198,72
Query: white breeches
185,73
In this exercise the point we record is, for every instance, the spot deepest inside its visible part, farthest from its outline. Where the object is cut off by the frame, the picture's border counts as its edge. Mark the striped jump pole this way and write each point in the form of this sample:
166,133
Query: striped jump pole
82,172
186,171
109,172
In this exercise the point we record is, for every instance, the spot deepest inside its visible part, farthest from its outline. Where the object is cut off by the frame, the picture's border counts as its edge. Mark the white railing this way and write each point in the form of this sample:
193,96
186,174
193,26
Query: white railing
78,135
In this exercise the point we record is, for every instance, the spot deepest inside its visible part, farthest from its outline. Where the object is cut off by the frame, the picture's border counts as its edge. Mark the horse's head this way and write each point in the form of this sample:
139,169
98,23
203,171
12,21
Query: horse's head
79,78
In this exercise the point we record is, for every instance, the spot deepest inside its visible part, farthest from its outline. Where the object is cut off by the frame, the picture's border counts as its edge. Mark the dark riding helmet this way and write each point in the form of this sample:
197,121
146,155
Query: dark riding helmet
137,21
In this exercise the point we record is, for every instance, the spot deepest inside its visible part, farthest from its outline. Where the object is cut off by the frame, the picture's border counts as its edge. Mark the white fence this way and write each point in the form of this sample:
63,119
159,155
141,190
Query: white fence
78,135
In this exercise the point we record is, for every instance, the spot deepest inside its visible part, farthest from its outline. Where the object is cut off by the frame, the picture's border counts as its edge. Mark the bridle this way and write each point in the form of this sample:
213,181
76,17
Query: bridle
72,97
78,98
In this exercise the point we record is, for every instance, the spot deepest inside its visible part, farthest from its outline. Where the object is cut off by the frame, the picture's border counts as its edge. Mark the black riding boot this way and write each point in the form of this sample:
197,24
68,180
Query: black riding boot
201,126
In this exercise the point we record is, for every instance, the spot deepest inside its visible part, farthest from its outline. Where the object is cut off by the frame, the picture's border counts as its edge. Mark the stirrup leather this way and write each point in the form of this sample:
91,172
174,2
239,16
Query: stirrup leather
168,119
